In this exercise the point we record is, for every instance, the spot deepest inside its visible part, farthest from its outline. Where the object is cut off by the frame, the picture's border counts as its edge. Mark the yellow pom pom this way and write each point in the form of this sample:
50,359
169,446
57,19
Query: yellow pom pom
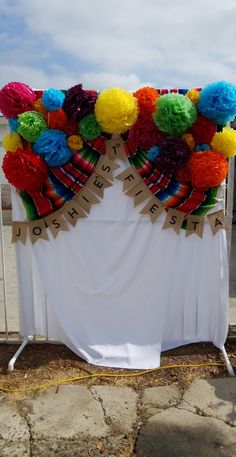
12,142
194,95
116,110
188,138
75,142
38,106
225,142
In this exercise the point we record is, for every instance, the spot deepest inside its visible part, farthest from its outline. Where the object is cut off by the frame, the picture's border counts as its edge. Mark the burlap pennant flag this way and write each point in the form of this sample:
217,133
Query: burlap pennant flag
105,168
37,230
217,221
19,232
195,224
97,184
153,209
55,222
72,212
85,198
130,178
115,148
139,193
174,220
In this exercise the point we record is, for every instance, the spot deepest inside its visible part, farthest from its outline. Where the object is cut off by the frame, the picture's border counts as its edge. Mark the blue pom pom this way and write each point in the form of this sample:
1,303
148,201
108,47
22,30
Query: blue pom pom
52,145
218,102
202,147
53,99
153,153
13,124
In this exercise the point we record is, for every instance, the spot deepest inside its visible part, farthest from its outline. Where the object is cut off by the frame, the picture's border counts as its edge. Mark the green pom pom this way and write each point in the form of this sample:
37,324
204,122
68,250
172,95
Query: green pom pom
31,125
174,114
89,127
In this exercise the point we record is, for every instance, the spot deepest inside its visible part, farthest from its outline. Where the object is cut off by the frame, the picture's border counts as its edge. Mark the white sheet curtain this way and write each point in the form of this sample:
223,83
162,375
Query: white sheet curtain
118,290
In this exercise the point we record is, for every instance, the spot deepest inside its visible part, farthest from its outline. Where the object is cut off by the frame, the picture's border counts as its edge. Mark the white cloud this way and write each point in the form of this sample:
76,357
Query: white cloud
168,42
103,80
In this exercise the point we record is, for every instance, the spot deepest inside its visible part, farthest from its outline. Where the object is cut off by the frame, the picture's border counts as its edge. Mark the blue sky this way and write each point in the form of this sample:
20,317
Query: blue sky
126,43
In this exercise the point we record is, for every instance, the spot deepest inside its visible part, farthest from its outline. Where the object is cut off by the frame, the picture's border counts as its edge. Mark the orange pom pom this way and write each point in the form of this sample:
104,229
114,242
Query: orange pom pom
38,106
208,169
146,100
58,120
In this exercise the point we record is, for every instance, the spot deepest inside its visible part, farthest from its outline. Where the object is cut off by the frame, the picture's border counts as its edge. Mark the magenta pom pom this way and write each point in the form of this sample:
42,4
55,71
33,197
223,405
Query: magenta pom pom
16,98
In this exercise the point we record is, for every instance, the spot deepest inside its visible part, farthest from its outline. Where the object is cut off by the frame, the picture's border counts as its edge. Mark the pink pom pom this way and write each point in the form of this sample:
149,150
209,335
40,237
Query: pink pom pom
16,98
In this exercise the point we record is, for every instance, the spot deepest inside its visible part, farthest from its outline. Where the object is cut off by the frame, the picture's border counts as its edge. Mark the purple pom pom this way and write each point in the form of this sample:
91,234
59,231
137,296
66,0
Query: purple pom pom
79,102
174,153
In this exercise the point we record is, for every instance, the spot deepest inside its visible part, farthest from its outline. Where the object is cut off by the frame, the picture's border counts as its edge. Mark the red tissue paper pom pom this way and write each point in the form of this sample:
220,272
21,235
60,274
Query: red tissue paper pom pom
146,97
208,169
16,98
25,170
58,120
144,133
203,130
183,175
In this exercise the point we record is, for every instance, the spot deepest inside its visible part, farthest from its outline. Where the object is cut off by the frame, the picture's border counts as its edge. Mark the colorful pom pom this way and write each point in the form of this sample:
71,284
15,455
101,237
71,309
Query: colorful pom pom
79,102
53,99
203,130
146,97
153,153
75,142
38,106
174,114
116,110
174,153
208,169
89,127
183,175
31,125
13,124
144,133
218,102
58,120
193,95
25,170
225,142
53,147
188,138
12,141
202,147
16,98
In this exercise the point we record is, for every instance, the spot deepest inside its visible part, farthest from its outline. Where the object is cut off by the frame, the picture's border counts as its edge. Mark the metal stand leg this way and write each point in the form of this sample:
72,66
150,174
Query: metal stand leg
18,352
228,364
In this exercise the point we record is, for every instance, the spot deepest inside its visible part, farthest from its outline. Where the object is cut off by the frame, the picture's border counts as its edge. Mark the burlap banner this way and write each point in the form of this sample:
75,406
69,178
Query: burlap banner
115,148
139,193
72,212
153,209
19,232
38,230
217,221
174,220
55,222
130,178
97,184
85,199
105,168
195,224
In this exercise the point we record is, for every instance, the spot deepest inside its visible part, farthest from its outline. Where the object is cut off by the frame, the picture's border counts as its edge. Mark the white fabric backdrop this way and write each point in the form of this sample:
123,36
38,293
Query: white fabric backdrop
118,290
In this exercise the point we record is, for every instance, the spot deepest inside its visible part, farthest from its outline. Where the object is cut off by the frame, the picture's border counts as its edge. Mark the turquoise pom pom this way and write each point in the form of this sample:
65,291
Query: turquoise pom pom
52,146
53,99
218,102
153,153
13,124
